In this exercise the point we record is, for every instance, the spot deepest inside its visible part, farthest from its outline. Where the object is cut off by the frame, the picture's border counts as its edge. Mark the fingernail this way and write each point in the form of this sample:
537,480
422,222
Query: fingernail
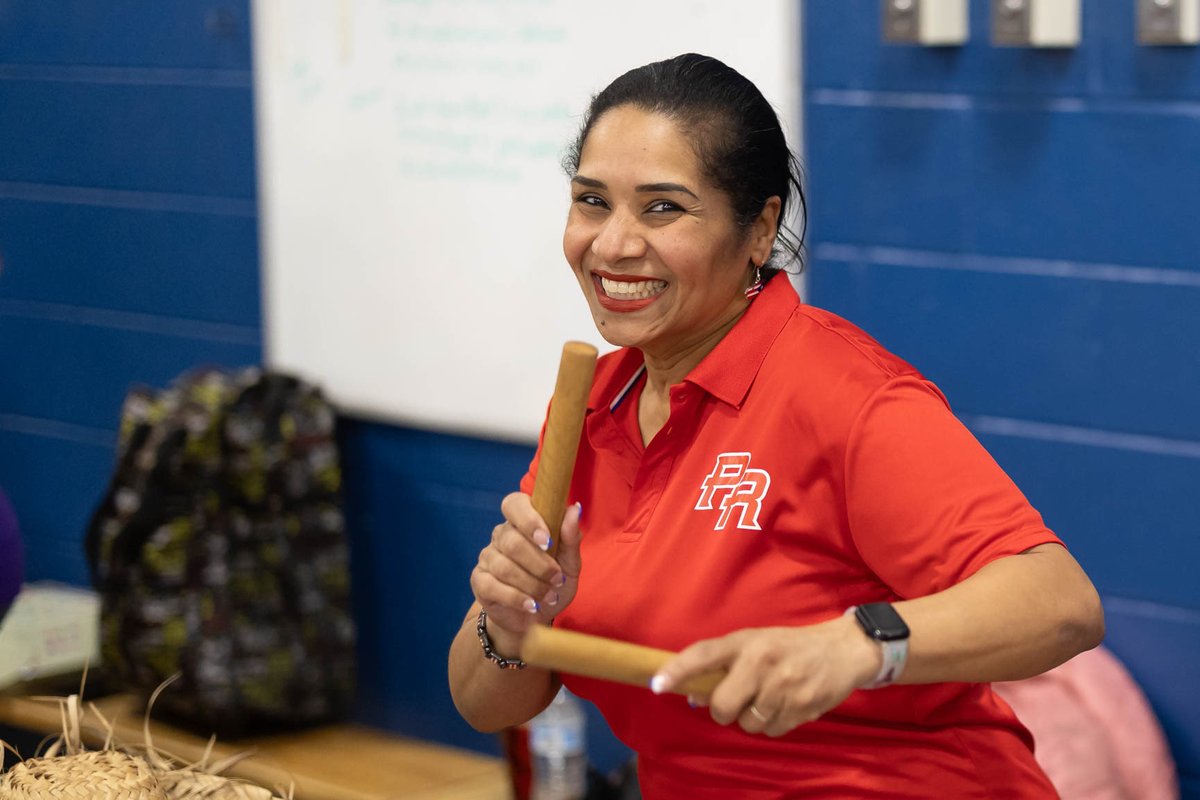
530,605
551,598
542,539
560,579
579,506
658,684
692,702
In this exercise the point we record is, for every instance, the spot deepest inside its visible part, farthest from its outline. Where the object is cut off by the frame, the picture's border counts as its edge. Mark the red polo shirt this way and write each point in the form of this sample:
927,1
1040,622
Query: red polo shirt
803,469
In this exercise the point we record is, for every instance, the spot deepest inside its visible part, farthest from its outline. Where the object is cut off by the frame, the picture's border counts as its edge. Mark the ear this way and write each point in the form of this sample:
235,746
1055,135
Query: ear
763,230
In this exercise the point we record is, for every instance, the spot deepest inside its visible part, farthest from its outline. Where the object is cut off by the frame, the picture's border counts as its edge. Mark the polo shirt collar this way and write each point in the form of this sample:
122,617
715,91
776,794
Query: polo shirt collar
609,393
728,371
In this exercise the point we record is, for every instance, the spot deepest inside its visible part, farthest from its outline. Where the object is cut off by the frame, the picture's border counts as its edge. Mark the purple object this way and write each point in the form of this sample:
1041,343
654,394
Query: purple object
11,568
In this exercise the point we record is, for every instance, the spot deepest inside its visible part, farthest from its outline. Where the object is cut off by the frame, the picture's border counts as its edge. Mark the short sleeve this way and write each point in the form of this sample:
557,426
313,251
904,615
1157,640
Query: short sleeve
531,474
927,506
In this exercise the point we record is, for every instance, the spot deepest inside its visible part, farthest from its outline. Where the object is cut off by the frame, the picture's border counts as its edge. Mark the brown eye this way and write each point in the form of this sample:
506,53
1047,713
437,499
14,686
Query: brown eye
590,200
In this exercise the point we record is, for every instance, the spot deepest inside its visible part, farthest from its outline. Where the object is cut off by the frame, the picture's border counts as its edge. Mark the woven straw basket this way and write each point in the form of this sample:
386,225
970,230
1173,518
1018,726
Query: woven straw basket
69,772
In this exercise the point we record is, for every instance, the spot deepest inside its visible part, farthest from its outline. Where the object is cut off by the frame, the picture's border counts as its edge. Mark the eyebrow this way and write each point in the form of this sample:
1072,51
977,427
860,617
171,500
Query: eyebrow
641,188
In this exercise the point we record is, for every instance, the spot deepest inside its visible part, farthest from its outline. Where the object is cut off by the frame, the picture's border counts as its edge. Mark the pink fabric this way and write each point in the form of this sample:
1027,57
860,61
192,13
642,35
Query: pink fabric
1097,737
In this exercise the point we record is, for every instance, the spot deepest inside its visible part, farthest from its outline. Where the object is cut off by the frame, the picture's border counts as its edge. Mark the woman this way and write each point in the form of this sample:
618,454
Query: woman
753,468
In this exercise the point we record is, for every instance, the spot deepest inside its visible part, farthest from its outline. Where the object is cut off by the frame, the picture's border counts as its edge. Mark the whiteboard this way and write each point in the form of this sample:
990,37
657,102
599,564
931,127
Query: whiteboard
411,198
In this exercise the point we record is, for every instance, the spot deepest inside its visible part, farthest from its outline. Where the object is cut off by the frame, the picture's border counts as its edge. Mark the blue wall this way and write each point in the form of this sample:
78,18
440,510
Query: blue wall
1020,225
128,234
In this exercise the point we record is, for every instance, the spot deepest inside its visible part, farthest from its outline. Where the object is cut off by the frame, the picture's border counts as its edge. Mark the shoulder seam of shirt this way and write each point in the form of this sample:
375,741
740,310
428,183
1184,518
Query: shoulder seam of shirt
889,371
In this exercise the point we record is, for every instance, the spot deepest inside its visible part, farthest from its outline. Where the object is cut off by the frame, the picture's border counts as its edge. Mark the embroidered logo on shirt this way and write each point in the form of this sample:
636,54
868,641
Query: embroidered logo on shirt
734,486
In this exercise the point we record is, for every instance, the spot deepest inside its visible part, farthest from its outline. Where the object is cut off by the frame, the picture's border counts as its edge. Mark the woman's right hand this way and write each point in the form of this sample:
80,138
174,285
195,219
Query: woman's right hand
516,581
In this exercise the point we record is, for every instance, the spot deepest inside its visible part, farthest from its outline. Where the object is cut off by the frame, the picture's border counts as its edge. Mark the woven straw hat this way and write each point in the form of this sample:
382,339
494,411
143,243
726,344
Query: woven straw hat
111,774
94,775
185,784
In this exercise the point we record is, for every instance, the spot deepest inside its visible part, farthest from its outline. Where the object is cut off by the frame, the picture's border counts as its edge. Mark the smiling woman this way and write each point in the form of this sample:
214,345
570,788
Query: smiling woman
654,243
665,267
769,491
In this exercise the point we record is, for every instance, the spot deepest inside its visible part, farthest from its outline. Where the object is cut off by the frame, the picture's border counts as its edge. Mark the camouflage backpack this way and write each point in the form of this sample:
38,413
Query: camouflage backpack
219,552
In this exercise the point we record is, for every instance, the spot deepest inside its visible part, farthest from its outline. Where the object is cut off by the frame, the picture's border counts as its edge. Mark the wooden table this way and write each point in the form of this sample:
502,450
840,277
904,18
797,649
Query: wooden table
337,762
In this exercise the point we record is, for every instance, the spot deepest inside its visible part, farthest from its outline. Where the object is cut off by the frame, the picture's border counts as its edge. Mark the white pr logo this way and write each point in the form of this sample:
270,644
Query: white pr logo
735,486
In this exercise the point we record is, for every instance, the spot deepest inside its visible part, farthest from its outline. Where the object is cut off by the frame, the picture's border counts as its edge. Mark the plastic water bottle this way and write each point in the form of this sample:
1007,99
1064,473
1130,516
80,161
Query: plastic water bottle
557,743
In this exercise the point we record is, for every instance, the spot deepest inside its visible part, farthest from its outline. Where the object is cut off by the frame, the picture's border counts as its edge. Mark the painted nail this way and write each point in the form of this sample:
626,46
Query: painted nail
692,702
551,598
530,605
560,580
658,684
542,539
580,507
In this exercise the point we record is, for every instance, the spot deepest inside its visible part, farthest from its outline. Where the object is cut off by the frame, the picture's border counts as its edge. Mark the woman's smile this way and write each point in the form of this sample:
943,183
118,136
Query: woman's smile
627,294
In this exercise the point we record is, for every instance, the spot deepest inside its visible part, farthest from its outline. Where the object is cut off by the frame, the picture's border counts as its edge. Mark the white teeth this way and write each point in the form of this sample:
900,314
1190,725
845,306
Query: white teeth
631,290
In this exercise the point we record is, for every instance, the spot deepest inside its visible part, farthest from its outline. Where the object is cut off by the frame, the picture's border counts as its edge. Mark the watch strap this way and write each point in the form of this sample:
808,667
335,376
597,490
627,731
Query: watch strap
895,656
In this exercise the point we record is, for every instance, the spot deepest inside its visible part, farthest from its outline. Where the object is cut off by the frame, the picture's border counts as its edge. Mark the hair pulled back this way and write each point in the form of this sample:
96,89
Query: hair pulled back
733,130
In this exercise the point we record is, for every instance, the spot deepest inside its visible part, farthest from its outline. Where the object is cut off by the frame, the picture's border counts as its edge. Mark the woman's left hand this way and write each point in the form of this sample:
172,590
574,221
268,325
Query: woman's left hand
778,678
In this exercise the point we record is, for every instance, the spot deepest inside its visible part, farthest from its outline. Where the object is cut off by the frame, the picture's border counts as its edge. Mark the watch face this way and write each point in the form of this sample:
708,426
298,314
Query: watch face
881,622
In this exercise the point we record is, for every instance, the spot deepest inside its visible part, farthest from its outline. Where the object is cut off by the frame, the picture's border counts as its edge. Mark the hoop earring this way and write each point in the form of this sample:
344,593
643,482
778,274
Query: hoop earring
756,287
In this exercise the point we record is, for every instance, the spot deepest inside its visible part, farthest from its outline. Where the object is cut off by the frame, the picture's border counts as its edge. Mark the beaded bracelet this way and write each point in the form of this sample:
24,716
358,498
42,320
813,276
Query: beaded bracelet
491,655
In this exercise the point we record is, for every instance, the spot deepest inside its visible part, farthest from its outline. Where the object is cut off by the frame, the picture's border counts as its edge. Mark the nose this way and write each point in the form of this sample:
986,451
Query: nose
620,238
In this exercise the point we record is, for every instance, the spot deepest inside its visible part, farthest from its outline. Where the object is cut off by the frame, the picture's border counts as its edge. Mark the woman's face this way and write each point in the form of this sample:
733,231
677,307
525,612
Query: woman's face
653,244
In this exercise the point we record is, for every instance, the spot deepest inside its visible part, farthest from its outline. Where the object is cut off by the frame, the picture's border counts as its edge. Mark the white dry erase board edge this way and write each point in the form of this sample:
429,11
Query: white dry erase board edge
411,201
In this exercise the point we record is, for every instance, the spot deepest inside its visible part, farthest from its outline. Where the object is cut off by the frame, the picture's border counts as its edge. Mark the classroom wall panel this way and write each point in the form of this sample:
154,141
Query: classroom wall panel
1127,514
126,33
75,365
420,507
54,475
905,189
169,263
1124,70
1068,349
844,50
1051,288
148,135
1106,183
128,235
1160,645
1007,177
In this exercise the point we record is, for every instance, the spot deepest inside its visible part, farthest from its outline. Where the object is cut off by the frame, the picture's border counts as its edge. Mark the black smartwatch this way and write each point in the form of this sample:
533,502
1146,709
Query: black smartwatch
881,622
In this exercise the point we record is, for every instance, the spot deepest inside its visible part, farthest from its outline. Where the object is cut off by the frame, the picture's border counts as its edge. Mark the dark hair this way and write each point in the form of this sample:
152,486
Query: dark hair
734,132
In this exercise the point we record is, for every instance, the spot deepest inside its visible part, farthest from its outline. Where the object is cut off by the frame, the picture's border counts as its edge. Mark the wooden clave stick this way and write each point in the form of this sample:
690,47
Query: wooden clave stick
560,444
607,659
567,651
